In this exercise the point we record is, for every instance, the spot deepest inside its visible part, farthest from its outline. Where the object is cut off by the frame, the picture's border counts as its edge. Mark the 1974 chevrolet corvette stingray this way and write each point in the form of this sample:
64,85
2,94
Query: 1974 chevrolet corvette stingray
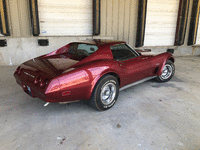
94,71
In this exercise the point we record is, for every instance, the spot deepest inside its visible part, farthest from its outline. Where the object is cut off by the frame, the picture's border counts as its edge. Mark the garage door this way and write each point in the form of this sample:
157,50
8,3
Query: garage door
198,35
161,22
65,17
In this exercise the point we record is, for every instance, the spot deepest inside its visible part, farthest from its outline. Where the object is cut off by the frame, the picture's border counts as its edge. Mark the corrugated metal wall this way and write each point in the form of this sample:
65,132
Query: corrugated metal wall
119,19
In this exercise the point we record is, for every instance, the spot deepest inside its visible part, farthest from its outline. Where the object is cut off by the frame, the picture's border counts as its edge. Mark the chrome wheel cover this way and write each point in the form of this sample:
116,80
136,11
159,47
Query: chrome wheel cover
167,71
108,93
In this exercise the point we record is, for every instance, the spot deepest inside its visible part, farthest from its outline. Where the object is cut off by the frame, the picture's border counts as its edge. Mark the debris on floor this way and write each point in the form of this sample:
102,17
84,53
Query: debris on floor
119,126
61,140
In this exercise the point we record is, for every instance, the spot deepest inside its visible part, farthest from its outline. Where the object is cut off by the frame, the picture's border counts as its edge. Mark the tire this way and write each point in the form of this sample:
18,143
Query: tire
105,93
167,73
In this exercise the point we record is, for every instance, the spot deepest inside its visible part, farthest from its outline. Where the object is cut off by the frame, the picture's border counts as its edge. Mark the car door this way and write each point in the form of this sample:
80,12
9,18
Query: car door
133,66
135,69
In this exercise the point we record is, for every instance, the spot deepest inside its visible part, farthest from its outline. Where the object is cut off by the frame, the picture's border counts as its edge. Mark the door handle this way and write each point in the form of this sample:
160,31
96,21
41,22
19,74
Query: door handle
144,58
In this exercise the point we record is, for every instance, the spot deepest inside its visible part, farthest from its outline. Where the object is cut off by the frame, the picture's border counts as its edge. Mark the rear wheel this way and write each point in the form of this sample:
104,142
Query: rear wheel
105,93
167,73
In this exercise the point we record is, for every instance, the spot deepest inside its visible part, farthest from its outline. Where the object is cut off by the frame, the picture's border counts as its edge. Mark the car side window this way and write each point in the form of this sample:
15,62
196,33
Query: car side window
122,52
82,49
89,48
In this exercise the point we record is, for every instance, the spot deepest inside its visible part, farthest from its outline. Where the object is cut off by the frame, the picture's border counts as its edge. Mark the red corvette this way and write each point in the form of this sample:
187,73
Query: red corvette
91,70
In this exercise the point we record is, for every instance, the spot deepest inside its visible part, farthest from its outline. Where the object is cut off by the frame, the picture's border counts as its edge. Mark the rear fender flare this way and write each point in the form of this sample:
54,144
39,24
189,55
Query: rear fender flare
95,81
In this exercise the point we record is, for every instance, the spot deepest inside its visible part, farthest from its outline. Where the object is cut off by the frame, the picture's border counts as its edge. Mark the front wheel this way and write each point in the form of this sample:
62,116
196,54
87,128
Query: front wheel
167,73
105,93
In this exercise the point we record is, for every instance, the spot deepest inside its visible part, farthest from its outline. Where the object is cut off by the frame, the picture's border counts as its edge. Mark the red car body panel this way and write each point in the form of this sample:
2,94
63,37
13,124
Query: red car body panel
60,77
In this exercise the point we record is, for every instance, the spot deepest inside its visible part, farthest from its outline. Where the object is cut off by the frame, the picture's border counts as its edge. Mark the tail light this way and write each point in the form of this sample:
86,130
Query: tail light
37,80
18,70
43,83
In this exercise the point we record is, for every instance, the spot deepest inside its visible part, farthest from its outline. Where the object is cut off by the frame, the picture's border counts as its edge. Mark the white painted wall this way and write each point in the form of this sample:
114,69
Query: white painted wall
23,49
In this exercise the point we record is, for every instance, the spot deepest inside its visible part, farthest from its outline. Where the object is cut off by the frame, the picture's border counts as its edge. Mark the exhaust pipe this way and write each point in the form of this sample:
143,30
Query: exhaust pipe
46,104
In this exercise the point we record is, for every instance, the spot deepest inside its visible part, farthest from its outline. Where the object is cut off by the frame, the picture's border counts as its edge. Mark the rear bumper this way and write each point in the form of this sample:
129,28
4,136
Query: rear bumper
35,93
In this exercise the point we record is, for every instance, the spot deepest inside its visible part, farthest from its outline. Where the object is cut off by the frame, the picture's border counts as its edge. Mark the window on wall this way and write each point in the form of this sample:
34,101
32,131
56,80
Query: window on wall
161,22
65,17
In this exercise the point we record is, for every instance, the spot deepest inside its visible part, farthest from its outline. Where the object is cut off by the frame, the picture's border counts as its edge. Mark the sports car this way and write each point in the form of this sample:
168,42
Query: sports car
93,70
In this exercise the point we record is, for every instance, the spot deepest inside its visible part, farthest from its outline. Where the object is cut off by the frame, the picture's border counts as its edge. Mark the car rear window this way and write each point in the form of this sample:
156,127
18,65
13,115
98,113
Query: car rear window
122,52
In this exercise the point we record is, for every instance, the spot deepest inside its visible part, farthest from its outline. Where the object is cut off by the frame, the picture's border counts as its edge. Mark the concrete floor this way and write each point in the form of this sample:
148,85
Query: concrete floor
149,116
